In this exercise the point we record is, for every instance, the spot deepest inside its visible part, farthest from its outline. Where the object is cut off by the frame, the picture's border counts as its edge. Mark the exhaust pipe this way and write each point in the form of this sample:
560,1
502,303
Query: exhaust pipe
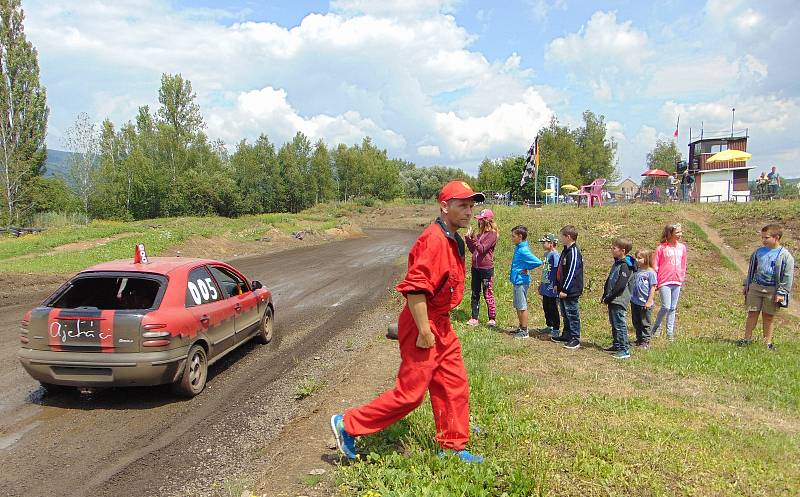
391,332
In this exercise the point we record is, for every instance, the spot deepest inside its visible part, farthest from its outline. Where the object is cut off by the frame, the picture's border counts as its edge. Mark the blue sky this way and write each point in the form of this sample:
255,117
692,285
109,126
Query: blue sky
435,81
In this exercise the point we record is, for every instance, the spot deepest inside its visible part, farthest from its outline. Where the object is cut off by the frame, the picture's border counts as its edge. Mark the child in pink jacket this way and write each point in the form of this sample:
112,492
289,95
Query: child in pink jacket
670,266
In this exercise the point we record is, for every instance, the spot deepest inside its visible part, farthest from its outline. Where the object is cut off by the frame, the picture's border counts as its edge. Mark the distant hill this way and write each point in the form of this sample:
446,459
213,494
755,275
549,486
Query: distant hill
57,163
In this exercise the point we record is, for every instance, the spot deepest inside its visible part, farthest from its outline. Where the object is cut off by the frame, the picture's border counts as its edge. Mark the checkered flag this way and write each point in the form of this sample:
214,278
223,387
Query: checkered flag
531,162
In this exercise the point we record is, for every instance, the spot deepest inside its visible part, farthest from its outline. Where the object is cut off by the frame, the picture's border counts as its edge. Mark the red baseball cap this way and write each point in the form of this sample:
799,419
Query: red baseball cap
460,190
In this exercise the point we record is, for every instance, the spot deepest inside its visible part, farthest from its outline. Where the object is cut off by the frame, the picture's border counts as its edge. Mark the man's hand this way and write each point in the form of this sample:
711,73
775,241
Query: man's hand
778,298
425,339
562,295
649,304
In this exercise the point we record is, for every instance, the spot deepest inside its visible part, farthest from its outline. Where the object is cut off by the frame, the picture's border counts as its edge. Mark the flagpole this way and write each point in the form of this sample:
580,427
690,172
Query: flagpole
535,184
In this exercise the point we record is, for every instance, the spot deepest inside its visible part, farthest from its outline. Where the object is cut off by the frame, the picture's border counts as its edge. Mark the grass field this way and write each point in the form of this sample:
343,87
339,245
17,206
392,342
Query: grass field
37,253
697,417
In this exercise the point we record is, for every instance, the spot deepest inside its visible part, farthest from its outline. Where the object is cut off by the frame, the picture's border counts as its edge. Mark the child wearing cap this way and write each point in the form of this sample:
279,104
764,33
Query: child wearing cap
482,244
522,262
547,287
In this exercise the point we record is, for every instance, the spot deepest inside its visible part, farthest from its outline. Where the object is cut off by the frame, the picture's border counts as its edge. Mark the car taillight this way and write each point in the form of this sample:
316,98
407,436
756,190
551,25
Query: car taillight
156,343
155,334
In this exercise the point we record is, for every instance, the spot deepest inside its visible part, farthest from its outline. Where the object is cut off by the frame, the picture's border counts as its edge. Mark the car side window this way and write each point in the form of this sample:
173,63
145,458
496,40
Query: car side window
231,283
201,288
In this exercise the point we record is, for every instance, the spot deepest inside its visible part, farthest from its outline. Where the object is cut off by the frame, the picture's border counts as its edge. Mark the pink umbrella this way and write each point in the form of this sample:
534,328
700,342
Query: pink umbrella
656,173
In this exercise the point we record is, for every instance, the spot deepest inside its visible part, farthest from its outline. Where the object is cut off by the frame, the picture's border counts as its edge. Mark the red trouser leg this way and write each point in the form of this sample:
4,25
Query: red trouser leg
449,390
416,369
440,369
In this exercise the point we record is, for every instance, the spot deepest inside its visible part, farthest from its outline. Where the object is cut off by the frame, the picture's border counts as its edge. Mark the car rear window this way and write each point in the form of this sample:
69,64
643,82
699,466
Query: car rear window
109,292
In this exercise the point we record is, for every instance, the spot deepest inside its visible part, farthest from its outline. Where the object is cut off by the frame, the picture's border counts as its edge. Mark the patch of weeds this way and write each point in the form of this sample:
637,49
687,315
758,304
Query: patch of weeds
311,480
307,388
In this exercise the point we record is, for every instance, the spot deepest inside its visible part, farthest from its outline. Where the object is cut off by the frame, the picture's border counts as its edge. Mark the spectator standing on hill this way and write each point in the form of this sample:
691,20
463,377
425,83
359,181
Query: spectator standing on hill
643,292
768,284
547,287
482,245
774,181
673,186
522,262
686,186
569,282
670,266
617,295
430,352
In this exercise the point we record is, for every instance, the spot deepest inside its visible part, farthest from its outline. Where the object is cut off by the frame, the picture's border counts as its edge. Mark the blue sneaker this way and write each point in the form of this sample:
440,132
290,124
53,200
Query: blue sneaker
464,455
622,354
555,334
522,334
345,441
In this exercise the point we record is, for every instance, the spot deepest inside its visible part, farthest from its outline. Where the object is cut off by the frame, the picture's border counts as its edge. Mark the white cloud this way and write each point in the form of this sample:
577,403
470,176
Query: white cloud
509,127
616,130
369,68
602,42
540,9
393,8
429,151
268,109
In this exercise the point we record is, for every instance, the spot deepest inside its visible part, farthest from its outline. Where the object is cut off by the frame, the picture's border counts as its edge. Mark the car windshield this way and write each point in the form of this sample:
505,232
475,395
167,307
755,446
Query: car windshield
109,292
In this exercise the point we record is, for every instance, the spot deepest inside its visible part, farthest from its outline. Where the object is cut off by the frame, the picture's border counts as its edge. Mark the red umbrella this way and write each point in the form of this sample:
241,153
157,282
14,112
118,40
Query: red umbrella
656,173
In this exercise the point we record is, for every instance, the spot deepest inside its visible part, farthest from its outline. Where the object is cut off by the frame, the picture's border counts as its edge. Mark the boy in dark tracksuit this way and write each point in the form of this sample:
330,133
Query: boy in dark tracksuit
617,294
569,282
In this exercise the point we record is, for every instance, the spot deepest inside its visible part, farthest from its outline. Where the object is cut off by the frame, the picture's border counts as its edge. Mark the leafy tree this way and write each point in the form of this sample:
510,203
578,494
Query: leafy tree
294,158
51,195
663,156
597,151
23,111
324,187
83,140
179,119
490,177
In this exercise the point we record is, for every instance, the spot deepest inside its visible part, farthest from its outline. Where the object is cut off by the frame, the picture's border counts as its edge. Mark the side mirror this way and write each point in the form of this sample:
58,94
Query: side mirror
257,284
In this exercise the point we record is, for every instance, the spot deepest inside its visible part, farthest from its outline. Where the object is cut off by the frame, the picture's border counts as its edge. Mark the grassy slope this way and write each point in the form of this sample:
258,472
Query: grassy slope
34,252
697,417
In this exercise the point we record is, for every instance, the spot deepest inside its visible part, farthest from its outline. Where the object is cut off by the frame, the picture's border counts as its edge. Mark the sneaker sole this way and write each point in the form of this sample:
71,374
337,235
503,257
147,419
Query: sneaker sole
338,437
522,338
572,347
622,357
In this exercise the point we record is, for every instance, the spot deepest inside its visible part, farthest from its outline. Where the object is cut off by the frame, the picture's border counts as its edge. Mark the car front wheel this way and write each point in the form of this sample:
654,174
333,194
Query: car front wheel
195,373
265,327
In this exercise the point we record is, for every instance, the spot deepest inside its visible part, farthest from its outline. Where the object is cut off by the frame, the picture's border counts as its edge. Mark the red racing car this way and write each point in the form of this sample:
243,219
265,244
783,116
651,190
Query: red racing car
133,323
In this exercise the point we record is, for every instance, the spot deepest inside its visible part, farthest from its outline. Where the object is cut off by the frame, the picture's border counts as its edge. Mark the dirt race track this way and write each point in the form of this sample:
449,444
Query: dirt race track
330,300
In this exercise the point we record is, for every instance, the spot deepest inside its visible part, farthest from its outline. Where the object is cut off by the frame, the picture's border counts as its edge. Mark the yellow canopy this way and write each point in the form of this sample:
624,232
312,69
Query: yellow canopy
729,155
548,191
571,188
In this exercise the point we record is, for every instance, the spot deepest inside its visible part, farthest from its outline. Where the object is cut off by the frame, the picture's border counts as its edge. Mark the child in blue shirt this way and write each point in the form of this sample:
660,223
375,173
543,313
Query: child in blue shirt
643,292
768,284
522,262
547,288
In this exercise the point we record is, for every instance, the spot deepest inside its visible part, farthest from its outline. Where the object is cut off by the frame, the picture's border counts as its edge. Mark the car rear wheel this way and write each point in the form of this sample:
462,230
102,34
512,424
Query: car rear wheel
265,327
195,373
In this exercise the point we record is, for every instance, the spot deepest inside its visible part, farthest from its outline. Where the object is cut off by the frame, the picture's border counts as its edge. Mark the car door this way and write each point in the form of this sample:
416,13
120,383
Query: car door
207,304
236,289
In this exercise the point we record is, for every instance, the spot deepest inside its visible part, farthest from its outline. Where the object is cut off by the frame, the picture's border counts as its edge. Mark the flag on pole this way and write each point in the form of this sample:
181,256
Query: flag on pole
676,126
531,162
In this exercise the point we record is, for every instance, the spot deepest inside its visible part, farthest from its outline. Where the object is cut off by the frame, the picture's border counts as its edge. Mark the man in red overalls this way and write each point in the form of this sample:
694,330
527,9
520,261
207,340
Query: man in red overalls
430,352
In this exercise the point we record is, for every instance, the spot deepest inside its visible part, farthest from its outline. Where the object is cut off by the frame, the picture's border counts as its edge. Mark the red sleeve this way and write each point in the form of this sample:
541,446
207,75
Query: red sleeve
426,266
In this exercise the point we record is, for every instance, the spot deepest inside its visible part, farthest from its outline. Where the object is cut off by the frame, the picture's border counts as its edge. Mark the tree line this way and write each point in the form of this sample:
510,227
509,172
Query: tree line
577,156
162,163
